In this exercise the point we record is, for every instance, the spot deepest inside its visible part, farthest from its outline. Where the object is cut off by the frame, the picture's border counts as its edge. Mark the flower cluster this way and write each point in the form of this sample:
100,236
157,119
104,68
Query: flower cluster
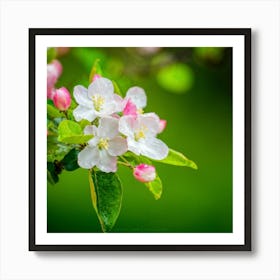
101,130
119,126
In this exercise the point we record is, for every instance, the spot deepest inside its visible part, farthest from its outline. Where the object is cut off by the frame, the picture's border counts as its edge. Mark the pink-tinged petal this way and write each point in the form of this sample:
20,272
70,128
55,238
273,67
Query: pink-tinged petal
144,173
106,163
137,96
162,125
88,157
153,148
81,96
101,86
84,113
127,125
108,127
130,109
62,99
117,146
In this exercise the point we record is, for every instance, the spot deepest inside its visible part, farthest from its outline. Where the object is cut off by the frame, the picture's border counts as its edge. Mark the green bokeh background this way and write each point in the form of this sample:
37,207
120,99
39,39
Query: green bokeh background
192,89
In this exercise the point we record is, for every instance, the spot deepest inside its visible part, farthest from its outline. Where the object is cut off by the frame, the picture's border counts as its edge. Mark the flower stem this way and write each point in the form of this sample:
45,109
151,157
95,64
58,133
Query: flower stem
65,114
126,164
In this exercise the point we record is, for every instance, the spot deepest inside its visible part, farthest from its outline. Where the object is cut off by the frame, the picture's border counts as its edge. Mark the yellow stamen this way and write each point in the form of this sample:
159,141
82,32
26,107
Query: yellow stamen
140,111
103,144
140,133
98,102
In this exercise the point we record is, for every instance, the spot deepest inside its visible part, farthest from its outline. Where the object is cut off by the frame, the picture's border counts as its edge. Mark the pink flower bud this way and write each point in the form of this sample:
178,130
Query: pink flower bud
54,70
144,173
95,77
57,67
130,109
162,125
62,99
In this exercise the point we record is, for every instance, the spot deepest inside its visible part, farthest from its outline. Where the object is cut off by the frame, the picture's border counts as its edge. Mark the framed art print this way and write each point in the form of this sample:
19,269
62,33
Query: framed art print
140,139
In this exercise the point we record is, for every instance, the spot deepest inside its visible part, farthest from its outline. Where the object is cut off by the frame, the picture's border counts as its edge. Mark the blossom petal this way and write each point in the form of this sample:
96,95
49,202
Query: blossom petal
138,97
85,113
108,108
162,125
117,146
133,146
153,148
88,157
107,163
119,103
127,125
151,123
81,96
92,130
108,127
101,86
130,109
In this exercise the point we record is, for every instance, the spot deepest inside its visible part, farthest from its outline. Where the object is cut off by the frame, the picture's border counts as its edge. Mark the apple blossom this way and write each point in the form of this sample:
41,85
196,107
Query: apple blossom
104,147
141,134
98,100
62,99
144,173
135,101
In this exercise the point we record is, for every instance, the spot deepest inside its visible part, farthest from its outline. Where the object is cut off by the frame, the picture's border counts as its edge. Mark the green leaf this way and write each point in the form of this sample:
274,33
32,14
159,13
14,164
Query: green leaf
56,150
176,158
155,187
70,161
96,69
70,132
134,159
84,123
116,88
52,175
51,54
106,194
52,112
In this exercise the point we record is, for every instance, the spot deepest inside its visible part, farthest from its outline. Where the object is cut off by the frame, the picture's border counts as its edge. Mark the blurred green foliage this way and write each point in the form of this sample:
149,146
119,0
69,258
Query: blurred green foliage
192,89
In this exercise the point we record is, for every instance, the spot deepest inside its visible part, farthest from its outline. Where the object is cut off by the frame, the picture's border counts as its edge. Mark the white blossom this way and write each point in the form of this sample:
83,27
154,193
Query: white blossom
141,132
98,100
104,147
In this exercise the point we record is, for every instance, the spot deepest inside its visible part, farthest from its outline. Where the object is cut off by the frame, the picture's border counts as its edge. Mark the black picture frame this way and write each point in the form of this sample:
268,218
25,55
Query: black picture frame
246,32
